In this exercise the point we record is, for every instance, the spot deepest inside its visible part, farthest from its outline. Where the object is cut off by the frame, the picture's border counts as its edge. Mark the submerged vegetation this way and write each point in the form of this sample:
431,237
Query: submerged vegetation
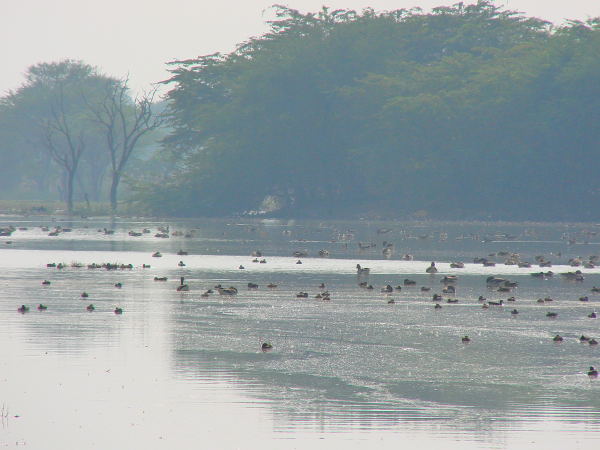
468,111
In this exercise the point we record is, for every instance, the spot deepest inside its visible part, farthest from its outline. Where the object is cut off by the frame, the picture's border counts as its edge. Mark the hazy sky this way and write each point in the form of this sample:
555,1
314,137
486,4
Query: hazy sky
137,37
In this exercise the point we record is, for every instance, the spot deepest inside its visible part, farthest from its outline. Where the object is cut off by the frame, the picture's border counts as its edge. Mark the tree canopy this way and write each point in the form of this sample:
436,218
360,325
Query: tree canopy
466,111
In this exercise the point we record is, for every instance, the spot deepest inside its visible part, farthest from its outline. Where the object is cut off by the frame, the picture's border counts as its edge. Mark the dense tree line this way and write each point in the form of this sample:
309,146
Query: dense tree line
469,111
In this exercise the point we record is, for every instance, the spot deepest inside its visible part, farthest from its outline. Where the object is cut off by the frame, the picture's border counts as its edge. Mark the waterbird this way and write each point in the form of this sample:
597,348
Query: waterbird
23,309
119,285
551,314
46,283
592,372
466,339
181,264
431,268
90,307
227,291
265,347
592,315
42,307
182,286
362,270
437,306
118,310
557,338
514,312
156,255
84,295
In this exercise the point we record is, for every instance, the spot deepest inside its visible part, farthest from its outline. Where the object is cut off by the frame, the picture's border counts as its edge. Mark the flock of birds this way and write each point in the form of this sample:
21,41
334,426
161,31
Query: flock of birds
448,282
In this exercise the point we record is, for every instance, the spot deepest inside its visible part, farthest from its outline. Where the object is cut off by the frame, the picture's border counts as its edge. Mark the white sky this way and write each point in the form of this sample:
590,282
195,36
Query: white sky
137,37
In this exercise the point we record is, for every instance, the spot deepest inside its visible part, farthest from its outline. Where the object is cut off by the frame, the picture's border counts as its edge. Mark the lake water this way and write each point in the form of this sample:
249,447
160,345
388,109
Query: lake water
179,370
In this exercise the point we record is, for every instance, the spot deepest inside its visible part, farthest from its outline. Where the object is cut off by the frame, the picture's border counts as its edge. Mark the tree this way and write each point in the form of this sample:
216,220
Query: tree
49,111
123,121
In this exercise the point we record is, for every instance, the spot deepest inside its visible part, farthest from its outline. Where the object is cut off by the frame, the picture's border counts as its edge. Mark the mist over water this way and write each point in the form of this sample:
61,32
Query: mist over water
177,369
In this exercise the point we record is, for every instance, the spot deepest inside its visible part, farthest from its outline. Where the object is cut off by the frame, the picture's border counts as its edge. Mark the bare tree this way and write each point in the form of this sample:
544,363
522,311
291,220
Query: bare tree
125,121
64,145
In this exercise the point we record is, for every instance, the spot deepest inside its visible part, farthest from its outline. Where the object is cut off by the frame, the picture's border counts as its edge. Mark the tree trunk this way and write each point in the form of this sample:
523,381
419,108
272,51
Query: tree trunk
114,185
69,193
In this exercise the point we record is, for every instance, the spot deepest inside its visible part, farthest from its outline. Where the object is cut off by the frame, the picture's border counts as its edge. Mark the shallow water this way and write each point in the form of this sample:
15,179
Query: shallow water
177,370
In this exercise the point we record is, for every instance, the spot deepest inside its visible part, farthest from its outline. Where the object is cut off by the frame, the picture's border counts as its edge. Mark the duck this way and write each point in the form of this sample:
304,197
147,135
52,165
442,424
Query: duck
514,312
362,270
557,338
118,310
437,306
265,347
46,283
423,288
181,264
90,307
431,268
387,289
449,279
302,295
408,282
156,255
23,309
241,267
227,291
466,339
182,286
119,285
160,278
449,290
551,314
592,315
298,262
457,265
593,341
84,295
592,372
42,307
252,286
583,338
271,285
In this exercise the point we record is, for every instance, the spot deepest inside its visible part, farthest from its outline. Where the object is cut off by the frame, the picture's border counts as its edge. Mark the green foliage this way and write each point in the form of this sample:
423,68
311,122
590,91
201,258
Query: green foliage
470,111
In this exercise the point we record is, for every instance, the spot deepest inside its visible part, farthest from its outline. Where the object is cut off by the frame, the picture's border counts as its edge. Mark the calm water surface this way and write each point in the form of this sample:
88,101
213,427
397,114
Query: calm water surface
179,370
